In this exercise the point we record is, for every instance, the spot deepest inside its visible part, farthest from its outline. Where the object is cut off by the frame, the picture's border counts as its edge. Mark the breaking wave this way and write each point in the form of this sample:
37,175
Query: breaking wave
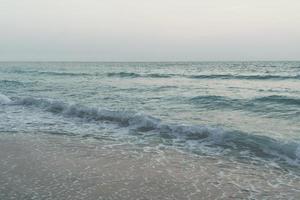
260,146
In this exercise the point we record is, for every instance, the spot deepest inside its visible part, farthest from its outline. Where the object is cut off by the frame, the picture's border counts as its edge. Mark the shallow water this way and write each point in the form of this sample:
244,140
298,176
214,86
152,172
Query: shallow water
43,166
242,112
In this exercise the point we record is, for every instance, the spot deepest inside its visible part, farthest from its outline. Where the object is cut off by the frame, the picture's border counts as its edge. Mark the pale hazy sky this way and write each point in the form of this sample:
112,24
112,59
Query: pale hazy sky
149,30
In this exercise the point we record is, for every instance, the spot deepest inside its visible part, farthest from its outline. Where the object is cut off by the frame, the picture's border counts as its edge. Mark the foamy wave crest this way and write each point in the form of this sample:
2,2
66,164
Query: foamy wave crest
133,120
261,146
4,99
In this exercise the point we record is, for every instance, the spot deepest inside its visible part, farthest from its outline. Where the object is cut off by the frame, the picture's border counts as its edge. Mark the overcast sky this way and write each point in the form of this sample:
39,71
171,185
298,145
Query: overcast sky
149,30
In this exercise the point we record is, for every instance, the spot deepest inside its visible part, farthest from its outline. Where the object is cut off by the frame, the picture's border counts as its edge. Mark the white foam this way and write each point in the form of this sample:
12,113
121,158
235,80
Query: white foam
4,99
209,136
137,121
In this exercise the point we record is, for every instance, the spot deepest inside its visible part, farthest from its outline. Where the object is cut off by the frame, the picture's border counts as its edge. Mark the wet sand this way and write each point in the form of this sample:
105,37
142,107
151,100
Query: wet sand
43,166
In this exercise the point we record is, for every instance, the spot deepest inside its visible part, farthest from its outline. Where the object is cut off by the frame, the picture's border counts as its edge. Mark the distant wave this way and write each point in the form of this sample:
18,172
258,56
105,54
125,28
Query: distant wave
20,71
123,74
261,146
160,75
216,102
135,75
63,73
51,73
110,74
212,76
14,84
246,77
279,99
10,83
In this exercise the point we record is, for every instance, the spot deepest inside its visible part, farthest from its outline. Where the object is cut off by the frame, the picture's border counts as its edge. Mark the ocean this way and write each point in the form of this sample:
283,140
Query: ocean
240,121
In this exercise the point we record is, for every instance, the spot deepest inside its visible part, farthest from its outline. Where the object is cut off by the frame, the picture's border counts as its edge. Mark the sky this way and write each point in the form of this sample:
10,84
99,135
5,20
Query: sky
149,30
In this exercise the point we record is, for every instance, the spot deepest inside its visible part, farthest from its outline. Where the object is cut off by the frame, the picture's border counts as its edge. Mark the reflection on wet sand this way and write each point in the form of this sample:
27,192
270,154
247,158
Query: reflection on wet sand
44,166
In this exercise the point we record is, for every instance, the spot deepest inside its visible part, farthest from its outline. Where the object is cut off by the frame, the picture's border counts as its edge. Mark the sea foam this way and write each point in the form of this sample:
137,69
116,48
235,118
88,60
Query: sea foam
4,99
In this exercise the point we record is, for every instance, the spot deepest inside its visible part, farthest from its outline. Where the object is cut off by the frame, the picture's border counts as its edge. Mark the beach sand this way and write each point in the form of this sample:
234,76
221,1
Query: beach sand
43,166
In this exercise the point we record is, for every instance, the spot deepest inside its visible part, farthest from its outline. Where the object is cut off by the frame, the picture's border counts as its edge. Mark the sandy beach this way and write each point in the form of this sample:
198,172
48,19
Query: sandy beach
40,166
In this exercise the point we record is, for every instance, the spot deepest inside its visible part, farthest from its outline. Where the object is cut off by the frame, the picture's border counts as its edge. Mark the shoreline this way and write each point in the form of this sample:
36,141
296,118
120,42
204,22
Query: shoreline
43,166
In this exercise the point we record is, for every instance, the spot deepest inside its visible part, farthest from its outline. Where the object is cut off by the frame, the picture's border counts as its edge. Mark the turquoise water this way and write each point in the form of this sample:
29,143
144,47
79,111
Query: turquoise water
242,110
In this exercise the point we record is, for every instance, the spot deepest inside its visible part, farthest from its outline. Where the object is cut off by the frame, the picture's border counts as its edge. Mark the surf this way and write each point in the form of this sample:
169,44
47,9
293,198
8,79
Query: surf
213,137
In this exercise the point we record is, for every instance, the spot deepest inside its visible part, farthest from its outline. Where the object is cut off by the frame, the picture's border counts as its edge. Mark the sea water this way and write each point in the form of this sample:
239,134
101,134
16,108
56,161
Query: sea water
243,112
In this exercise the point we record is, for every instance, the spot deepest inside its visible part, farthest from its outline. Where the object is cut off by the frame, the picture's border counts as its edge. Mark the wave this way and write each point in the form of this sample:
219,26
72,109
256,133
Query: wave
160,75
256,104
11,83
212,76
63,73
110,74
19,71
246,77
279,99
51,73
136,75
123,74
215,102
261,146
